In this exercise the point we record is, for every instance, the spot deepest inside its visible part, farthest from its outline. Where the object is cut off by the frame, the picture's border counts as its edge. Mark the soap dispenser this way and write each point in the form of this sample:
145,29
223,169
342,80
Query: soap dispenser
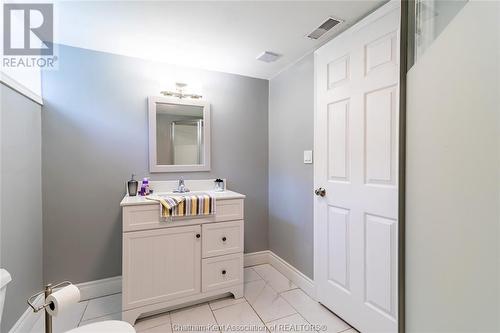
219,185
132,186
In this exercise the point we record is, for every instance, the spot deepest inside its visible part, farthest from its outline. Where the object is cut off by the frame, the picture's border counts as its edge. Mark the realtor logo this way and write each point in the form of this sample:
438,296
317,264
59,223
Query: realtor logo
28,29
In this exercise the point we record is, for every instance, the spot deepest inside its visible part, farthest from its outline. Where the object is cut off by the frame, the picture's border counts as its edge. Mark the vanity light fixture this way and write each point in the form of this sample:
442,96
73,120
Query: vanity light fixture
179,87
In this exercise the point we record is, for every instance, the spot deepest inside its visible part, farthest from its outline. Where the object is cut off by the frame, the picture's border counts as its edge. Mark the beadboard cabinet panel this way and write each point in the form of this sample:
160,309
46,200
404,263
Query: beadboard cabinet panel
161,265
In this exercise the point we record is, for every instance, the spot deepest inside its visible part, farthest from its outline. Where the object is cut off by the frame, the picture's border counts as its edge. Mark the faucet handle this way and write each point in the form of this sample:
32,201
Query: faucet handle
181,187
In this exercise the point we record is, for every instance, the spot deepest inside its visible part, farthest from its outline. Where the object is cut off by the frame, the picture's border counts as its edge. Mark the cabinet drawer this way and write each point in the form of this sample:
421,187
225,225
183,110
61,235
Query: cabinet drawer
229,210
144,217
222,272
222,238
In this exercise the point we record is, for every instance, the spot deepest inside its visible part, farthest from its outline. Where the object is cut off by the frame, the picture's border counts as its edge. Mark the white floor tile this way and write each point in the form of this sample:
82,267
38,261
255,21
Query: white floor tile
269,297
252,289
277,280
226,301
266,302
293,323
66,321
114,316
103,306
250,275
166,328
239,318
145,324
314,312
200,317
351,330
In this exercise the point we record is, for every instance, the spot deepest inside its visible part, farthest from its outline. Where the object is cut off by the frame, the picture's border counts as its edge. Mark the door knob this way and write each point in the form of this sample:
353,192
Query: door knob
320,192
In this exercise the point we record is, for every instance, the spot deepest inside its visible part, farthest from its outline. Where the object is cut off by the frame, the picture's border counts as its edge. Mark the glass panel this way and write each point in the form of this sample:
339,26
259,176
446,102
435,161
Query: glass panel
429,19
179,134
452,157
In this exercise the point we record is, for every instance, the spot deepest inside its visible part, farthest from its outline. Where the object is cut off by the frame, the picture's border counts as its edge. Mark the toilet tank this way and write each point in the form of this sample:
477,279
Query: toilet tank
5,278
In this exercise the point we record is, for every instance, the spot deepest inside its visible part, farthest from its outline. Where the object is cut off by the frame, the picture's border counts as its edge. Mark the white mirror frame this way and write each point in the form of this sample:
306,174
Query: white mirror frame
153,165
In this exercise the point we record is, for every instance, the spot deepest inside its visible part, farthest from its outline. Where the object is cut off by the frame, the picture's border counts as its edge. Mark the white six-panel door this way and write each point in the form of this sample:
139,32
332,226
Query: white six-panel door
356,145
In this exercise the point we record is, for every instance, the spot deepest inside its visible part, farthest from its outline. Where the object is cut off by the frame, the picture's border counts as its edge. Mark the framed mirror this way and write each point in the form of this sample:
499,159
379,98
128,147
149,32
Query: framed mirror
179,135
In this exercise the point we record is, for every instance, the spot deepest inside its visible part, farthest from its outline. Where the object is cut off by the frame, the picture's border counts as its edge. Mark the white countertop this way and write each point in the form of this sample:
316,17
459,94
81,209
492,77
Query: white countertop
140,200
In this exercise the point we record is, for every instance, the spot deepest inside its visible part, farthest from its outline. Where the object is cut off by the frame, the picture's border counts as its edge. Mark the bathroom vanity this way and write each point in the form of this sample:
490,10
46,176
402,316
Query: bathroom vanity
181,261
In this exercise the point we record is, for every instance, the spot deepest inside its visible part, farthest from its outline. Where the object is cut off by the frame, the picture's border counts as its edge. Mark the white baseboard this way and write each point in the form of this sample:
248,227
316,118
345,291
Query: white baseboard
88,290
100,288
292,273
256,258
113,285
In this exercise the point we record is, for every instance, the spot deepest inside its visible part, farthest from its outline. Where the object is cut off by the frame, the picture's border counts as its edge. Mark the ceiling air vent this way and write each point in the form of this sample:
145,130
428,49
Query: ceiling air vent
323,28
268,56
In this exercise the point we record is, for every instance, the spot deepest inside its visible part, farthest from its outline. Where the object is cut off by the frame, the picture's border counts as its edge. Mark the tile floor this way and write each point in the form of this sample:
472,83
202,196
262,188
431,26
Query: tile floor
271,303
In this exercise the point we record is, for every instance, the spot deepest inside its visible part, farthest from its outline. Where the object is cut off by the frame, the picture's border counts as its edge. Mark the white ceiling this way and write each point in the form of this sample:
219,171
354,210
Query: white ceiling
222,36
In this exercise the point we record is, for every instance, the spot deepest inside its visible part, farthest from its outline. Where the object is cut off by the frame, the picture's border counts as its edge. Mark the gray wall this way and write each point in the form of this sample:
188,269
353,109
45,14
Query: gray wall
21,201
452,189
94,129
291,113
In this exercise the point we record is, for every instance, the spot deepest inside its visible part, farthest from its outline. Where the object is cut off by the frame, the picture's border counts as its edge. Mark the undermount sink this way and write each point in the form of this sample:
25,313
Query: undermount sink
185,193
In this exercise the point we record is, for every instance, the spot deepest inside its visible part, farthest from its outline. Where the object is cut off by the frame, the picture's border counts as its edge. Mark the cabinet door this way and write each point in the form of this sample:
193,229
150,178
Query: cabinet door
161,265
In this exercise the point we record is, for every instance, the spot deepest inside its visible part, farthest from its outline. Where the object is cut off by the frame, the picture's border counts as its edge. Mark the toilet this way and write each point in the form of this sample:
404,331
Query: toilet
107,326
5,278
111,326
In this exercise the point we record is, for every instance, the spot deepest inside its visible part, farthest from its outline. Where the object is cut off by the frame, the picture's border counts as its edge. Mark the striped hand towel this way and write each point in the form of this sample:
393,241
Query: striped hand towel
197,205
168,205
189,205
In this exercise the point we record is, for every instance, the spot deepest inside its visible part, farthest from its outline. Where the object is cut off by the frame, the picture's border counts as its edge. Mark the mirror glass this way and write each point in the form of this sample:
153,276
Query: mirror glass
179,134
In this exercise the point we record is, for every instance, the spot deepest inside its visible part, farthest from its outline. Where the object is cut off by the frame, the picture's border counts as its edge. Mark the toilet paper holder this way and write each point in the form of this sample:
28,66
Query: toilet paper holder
49,288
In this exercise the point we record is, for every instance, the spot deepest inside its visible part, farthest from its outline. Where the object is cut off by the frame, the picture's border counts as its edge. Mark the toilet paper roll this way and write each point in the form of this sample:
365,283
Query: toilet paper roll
62,299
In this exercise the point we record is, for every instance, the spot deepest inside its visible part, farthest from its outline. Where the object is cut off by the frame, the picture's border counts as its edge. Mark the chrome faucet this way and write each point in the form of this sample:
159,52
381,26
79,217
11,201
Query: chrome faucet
181,187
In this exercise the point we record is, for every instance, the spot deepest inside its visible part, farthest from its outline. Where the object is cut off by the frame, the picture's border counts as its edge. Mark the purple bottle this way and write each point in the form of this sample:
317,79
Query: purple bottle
145,187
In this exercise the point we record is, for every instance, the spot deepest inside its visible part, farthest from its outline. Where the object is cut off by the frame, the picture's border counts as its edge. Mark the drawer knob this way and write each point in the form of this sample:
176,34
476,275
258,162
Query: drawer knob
198,235
223,272
224,239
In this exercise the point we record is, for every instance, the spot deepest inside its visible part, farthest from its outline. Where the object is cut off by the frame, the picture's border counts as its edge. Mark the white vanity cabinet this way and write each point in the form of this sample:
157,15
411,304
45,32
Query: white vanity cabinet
169,264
